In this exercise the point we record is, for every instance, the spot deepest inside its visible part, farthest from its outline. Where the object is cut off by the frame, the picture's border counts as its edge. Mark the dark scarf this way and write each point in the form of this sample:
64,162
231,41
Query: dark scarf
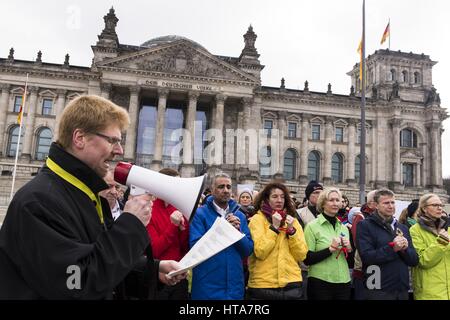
386,223
366,211
268,212
438,227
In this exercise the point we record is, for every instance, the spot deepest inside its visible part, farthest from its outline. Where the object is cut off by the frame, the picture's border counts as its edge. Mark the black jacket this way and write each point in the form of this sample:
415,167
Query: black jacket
373,239
52,228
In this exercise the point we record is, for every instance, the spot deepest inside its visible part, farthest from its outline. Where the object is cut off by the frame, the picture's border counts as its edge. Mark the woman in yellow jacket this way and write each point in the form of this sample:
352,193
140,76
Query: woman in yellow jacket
431,278
279,246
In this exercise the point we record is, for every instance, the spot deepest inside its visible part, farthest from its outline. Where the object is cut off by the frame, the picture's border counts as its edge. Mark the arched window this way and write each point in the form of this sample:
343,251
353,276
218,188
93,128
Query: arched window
392,75
337,166
265,162
12,141
290,158
44,139
314,166
408,138
357,168
404,76
416,77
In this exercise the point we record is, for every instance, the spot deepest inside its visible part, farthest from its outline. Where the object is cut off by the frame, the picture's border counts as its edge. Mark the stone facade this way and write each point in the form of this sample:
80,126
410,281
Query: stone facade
403,114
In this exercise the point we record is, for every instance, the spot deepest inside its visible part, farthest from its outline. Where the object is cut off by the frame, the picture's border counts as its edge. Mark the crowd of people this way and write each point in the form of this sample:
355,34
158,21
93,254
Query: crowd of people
74,233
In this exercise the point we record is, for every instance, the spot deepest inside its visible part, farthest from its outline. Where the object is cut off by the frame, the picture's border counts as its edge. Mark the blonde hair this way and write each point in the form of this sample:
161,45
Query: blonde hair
323,197
423,203
90,114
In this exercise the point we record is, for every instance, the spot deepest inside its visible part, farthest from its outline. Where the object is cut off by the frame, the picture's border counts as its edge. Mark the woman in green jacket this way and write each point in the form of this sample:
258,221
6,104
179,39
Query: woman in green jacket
431,278
328,242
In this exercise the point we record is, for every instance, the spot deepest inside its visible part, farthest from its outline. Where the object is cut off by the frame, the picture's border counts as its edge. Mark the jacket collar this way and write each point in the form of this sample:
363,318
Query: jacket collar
77,168
232,205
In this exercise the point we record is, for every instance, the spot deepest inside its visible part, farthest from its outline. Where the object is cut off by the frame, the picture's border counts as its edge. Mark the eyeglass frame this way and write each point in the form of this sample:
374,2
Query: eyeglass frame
111,140
435,205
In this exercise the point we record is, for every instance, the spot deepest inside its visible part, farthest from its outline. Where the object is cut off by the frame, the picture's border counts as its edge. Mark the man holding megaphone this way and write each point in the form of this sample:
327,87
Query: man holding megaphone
58,239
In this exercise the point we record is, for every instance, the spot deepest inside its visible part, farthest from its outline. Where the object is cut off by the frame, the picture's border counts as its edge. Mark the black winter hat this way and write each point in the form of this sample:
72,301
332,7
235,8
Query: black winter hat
311,187
412,207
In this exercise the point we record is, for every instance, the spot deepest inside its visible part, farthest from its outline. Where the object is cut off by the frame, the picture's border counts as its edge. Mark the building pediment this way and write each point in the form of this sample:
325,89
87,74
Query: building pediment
177,58
411,154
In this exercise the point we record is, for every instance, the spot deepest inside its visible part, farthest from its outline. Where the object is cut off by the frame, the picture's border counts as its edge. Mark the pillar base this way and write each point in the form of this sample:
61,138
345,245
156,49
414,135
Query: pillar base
379,184
352,183
327,181
395,186
303,179
187,170
156,165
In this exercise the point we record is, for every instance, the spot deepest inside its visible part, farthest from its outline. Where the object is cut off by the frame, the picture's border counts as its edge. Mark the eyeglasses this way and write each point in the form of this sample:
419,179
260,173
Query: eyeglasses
435,205
112,140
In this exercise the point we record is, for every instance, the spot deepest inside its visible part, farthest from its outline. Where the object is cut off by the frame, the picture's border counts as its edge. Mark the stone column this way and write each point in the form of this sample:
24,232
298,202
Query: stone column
220,108
105,90
282,132
434,156
133,111
417,183
439,163
351,154
304,149
59,108
187,169
396,169
425,178
29,124
4,101
159,137
327,156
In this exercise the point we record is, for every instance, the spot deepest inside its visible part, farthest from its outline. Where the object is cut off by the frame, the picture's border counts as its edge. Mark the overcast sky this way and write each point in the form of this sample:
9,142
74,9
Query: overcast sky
298,40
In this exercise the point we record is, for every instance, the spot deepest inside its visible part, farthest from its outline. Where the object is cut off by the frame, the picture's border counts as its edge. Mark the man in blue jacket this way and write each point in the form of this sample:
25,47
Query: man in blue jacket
221,277
386,251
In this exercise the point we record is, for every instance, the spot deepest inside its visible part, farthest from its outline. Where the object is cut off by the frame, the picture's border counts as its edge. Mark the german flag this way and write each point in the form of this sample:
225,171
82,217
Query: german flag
385,33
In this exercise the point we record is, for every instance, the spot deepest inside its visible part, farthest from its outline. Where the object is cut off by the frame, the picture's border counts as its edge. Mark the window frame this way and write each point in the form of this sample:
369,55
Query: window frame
42,155
293,165
314,133
341,135
290,130
50,109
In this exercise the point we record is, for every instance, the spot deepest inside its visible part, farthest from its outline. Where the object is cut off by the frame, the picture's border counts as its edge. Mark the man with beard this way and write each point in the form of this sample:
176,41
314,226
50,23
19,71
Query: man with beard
221,277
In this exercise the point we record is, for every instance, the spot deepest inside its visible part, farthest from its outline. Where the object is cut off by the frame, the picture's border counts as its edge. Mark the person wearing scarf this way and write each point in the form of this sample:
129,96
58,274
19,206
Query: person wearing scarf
431,278
386,251
245,200
328,242
279,247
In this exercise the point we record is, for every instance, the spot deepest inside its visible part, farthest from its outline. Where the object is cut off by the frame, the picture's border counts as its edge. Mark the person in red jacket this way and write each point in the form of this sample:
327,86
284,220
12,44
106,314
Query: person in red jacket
169,236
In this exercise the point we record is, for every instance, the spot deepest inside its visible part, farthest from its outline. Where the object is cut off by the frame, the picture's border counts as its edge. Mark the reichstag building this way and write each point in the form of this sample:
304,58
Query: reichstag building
171,83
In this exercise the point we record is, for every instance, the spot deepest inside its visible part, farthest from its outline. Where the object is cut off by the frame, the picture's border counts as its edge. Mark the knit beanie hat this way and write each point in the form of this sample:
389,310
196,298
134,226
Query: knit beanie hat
412,208
311,187
245,190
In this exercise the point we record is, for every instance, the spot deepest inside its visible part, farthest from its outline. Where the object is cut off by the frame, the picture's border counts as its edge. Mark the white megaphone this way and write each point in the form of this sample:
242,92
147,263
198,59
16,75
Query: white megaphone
182,193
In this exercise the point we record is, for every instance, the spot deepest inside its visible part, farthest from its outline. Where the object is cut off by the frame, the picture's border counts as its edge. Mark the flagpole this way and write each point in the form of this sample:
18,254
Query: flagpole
362,153
389,24
18,139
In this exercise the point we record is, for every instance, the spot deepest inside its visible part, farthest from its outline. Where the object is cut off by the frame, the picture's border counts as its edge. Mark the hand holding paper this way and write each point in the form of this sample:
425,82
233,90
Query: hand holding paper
220,236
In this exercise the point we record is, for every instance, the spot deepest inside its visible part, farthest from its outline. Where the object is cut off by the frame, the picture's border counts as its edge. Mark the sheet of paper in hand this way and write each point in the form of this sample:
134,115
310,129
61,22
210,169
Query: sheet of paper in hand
220,236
